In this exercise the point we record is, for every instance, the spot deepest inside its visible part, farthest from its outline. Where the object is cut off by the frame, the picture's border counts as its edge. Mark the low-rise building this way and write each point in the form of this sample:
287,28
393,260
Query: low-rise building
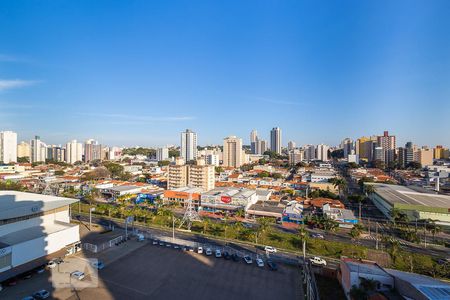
33,229
228,199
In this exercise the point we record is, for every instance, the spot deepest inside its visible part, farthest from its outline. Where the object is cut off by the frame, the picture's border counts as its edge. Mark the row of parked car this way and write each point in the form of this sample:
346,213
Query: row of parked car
219,254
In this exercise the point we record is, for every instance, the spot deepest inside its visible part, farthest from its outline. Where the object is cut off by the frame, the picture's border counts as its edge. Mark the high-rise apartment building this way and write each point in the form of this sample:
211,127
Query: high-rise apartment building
199,175
406,154
55,153
8,146
348,146
424,156
309,152
295,156
253,141
232,152
38,150
188,145
92,150
291,145
24,150
74,152
387,142
261,147
275,140
364,147
322,152
440,152
162,154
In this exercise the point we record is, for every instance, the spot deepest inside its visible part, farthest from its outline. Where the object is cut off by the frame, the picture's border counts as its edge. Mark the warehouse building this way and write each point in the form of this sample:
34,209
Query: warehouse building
33,229
415,204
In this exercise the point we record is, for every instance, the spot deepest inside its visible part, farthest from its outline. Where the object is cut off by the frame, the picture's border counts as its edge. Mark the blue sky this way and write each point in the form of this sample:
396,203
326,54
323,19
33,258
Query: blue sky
139,72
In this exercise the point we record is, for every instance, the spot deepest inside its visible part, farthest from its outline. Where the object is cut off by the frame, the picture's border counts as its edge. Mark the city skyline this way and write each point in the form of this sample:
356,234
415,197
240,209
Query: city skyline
159,68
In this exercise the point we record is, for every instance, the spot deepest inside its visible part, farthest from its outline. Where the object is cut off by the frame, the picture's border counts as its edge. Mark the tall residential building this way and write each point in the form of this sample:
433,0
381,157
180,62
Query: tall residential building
38,150
212,159
261,147
275,140
253,141
162,154
24,150
364,147
92,150
74,152
440,152
424,156
309,152
55,153
199,175
387,142
232,152
406,154
291,145
188,145
322,152
348,146
295,156
8,146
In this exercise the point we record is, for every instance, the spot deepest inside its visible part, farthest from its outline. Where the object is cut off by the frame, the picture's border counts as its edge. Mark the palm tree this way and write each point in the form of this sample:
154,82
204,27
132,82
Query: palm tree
394,246
360,199
356,231
399,217
264,224
303,235
329,224
432,227
369,189
340,184
206,224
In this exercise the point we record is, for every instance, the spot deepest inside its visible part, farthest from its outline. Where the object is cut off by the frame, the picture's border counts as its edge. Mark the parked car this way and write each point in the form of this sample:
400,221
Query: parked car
176,246
226,255
208,251
191,249
40,270
260,262
27,275
218,253
155,242
51,264
42,294
98,265
273,266
200,250
168,245
140,237
318,261
270,249
248,259
317,236
77,275
234,257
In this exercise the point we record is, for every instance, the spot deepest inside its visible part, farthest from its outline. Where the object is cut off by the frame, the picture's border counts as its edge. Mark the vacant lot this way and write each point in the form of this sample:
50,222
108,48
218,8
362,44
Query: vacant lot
153,272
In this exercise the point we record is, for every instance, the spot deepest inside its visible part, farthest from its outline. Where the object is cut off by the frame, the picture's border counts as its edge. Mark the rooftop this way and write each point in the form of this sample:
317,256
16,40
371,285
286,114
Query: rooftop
15,204
365,267
397,194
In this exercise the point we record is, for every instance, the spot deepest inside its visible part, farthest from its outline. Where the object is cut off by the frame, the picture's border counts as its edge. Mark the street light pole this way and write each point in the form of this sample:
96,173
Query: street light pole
173,229
91,209
376,235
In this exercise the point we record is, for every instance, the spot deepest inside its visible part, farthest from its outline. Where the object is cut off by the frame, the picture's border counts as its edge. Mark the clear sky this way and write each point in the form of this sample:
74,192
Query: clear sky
140,72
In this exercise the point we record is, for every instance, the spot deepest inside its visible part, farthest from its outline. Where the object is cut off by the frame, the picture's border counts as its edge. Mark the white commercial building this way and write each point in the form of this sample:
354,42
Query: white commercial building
188,145
74,152
8,146
33,229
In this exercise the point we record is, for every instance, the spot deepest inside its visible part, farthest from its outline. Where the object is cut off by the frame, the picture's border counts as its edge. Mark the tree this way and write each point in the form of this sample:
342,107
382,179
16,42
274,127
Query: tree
277,176
329,224
369,189
303,236
218,170
394,247
263,174
355,232
23,159
399,216
96,174
414,165
432,227
263,225
336,154
360,199
339,183
163,163
116,170
10,185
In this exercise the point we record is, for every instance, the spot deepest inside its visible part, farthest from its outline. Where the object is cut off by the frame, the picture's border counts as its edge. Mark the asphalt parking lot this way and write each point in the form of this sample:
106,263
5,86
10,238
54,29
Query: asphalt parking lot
155,272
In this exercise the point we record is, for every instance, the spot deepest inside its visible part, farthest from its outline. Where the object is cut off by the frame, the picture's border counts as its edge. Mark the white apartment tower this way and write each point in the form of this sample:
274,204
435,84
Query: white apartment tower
162,154
8,146
188,145
275,140
291,145
38,150
74,152
322,152
232,152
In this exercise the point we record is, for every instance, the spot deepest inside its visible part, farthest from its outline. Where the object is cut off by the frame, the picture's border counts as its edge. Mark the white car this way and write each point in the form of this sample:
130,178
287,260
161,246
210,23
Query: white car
154,242
51,264
200,250
270,249
42,294
208,251
318,261
77,275
248,260
218,254
260,262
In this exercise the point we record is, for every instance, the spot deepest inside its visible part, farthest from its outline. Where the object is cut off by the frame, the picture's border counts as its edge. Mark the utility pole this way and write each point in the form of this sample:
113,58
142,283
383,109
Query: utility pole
173,229
376,235
368,220
425,233
91,209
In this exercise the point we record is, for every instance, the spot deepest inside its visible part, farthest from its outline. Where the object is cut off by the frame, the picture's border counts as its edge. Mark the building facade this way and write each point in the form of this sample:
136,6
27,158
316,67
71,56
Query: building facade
8,147
188,145
74,152
275,140
232,152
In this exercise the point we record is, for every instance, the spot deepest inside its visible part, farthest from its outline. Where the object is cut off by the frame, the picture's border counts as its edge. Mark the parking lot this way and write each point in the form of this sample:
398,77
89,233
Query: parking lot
156,272
140,270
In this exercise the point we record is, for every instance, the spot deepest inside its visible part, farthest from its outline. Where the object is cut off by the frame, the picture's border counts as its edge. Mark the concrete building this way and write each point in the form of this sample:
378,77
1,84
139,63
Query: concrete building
232,152
56,153
295,156
92,150
8,147
424,156
348,146
74,152
388,144
253,141
406,154
353,272
34,228
188,145
440,152
199,175
24,150
275,140
322,152
364,147
291,145
228,199
261,147
415,204
213,160
310,152
38,150
162,154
